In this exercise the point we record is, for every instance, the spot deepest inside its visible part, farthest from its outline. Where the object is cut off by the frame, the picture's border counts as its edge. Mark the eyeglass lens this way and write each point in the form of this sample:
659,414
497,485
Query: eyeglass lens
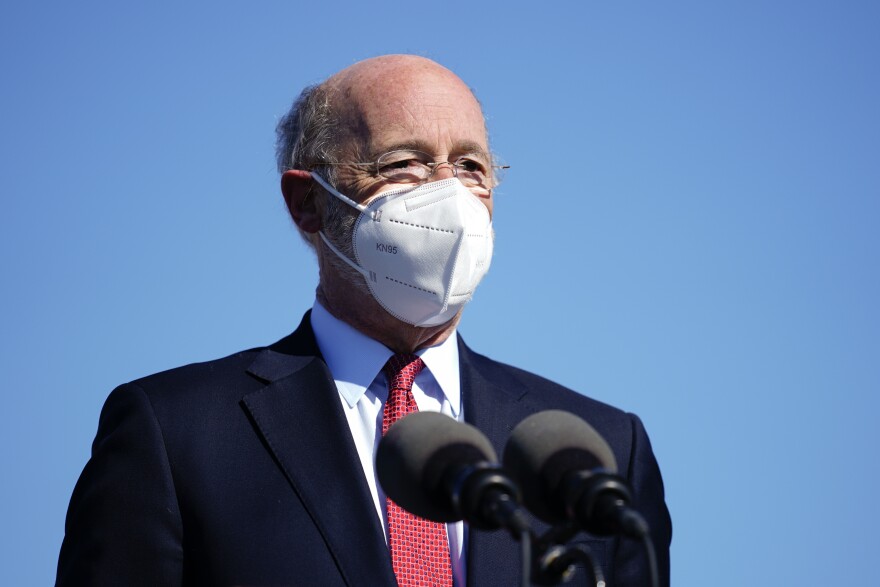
415,167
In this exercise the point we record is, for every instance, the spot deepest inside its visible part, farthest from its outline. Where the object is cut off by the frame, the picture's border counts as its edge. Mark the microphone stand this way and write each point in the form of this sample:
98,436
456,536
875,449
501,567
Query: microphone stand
488,500
554,560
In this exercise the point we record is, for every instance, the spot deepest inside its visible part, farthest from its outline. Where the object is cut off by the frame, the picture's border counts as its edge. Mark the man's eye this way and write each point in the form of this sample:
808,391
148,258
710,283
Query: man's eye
470,165
402,164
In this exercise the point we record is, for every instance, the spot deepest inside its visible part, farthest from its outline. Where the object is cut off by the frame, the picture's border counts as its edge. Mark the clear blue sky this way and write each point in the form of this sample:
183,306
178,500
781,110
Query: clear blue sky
689,231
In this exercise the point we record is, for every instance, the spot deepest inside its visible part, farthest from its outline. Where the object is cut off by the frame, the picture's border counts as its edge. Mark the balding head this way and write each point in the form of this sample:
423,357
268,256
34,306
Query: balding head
340,116
388,68
402,93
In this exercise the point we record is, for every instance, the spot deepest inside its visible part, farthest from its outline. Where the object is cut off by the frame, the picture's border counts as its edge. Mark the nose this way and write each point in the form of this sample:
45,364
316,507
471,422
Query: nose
442,170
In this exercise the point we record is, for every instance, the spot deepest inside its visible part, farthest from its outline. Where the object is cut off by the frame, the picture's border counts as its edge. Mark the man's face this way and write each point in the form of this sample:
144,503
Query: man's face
421,107
384,104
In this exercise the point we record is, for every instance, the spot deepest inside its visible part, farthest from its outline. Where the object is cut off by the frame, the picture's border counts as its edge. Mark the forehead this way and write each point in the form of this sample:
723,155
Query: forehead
429,109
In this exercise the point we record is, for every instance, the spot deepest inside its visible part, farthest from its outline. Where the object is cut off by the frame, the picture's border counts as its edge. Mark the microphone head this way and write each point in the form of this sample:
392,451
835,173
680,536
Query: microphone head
417,453
546,446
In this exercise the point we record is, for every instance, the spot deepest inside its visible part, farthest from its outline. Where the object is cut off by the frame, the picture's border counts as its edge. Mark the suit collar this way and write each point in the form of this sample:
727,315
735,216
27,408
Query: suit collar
299,407
494,402
288,355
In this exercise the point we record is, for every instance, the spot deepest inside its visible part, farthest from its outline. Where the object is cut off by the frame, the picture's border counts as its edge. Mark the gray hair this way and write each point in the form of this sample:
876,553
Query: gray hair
309,133
312,132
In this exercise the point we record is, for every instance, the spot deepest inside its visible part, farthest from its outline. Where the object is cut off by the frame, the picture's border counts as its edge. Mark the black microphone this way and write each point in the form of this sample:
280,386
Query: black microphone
445,471
567,471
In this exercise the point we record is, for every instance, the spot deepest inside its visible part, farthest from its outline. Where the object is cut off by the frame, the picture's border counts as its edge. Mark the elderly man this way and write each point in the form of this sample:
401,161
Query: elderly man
257,469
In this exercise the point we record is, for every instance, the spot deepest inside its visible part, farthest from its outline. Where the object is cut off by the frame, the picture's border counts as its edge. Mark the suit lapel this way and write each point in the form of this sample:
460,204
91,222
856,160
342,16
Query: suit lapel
493,403
300,418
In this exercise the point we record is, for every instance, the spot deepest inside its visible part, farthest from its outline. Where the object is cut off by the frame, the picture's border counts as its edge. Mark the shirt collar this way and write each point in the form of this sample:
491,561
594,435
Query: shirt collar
355,359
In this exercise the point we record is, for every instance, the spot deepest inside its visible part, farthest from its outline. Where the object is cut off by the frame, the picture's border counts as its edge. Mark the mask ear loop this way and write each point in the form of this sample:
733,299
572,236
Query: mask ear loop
333,191
363,209
367,274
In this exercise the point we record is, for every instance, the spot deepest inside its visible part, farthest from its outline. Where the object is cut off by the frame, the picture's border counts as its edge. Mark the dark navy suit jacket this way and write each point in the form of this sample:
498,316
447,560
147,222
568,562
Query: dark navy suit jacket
242,471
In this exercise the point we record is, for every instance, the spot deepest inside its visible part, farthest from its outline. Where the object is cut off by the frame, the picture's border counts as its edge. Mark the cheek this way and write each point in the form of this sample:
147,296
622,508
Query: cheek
361,189
369,189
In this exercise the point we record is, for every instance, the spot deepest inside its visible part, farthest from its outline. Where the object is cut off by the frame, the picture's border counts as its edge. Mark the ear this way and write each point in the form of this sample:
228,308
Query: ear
299,195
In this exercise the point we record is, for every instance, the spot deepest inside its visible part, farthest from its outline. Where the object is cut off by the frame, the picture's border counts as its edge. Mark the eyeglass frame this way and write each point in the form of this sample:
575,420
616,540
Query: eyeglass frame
432,165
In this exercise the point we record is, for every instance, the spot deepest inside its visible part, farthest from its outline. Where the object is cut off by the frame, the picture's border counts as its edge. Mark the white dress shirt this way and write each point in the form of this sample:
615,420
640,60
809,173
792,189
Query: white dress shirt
356,362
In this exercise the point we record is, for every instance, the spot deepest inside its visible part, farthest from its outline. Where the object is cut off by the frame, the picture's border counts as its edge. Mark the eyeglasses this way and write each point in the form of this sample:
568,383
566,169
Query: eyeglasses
407,166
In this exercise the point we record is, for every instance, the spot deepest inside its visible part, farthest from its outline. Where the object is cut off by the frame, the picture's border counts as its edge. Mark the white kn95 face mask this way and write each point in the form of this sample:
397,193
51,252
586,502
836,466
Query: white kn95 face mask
422,250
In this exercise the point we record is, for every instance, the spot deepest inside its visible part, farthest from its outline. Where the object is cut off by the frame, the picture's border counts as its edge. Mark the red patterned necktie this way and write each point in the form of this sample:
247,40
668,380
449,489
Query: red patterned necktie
419,549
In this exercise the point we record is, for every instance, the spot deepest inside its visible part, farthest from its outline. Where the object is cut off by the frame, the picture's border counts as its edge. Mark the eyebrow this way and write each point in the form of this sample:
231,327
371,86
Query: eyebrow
460,148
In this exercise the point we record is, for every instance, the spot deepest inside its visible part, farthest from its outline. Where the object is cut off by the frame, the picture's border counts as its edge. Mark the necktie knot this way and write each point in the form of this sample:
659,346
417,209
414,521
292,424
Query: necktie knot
401,370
